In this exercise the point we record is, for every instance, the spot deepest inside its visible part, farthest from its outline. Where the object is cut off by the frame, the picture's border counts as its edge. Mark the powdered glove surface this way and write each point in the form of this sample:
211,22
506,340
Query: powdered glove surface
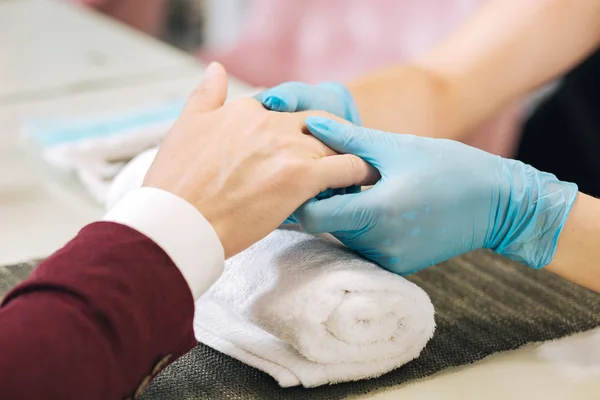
332,97
438,199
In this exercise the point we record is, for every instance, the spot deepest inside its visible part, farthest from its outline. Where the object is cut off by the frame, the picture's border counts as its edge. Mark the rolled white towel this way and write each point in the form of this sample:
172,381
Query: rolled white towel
307,311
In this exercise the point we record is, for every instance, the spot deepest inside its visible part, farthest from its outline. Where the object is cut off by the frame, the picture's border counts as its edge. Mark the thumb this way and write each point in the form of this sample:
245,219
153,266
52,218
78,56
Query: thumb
346,138
212,91
284,97
335,214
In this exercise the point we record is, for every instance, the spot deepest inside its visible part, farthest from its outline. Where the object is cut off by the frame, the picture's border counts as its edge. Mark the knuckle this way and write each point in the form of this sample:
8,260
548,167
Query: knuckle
251,113
291,168
278,167
290,172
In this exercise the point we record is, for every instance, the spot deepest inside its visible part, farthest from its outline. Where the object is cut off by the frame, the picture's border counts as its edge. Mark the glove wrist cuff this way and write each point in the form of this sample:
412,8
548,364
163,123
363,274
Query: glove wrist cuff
535,212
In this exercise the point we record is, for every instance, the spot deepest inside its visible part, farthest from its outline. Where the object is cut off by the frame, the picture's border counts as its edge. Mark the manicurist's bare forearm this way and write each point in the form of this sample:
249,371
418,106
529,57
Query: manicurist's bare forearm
577,256
502,52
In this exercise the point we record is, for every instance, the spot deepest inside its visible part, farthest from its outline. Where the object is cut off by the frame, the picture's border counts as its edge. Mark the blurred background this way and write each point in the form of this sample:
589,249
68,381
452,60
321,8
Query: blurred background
186,24
266,42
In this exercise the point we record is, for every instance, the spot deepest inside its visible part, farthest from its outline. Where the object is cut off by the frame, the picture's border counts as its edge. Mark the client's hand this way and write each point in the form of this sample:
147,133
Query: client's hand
245,168
438,199
331,97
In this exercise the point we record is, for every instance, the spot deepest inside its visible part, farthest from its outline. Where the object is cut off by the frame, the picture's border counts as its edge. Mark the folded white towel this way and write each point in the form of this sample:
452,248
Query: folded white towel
309,312
96,147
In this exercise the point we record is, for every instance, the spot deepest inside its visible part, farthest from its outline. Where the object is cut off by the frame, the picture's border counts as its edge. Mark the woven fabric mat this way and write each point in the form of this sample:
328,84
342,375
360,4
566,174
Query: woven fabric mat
484,304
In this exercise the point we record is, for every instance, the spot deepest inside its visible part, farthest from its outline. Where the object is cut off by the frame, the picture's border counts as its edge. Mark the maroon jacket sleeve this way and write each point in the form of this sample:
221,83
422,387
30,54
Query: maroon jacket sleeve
96,320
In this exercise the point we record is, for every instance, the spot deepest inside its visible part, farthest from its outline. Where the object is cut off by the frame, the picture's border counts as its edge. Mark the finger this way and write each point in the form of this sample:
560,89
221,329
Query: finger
340,171
298,96
212,91
284,97
307,141
347,138
293,124
302,115
298,119
315,147
335,214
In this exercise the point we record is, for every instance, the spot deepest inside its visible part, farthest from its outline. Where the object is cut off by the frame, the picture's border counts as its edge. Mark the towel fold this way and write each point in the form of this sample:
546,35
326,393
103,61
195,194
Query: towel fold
309,312
95,148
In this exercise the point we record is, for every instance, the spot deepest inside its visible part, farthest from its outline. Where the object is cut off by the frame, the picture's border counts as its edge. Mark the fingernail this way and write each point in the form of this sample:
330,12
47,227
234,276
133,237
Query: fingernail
274,103
211,70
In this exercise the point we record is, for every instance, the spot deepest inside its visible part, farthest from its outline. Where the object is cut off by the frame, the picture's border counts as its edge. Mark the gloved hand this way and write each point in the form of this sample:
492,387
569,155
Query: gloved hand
438,199
297,96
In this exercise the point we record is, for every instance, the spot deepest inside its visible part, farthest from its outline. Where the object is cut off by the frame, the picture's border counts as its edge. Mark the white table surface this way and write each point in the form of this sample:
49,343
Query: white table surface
48,47
57,60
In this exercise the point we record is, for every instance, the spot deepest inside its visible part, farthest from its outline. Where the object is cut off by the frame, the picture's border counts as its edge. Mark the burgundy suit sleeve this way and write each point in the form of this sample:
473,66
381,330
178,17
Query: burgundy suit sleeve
96,320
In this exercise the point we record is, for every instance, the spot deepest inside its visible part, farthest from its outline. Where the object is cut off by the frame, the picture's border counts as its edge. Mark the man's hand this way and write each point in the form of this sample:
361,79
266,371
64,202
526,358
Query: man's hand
245,168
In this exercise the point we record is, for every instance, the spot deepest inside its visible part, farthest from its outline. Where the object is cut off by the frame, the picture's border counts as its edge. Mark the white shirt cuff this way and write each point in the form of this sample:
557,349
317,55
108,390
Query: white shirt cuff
179,229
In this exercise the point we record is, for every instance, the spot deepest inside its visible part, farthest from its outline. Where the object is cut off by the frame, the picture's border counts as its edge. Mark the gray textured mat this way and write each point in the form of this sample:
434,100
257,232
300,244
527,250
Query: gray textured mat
484,304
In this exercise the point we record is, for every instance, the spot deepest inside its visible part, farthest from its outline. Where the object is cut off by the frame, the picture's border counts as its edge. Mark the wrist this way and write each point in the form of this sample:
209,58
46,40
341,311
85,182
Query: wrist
424,102
221,224
577,251
214,212
175,225
533,207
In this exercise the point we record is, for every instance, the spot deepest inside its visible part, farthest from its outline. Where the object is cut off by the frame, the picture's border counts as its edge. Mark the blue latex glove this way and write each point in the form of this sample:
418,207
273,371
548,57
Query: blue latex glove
438,199
297,96
325,195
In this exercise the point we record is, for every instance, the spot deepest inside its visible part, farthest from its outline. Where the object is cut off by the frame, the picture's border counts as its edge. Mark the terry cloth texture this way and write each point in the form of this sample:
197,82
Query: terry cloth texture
484,304
308,311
